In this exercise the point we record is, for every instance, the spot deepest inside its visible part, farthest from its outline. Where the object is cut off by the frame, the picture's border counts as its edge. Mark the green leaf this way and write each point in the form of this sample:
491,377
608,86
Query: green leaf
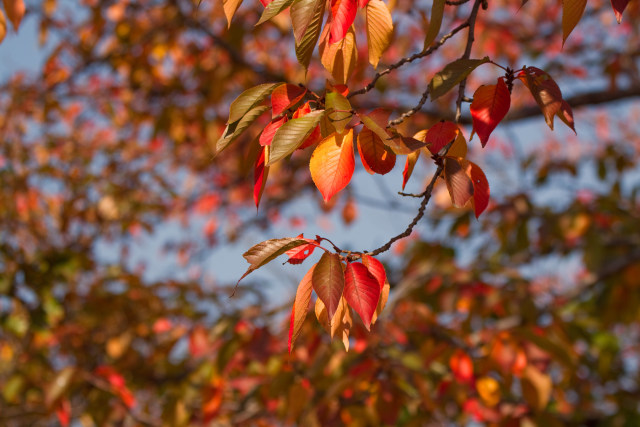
267,251
292,134
308,25
274,8
235,129
249,99
328,282
452,74
437,11
339,119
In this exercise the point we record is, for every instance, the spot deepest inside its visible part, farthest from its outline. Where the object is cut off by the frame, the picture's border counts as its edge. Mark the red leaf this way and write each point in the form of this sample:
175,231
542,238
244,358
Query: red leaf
412,158
490,104
286,96
314,136
300,307
440,134
566,115
376,269
332,163
480,189
461,366
458,183
363,3
343,13
544,90
299,254
362,291
260,173
328,282
618,8
63,412
375,155
270,130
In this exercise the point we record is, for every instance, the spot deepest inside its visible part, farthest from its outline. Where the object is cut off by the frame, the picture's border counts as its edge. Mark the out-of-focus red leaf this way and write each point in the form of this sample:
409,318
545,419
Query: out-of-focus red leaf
63,412
461,366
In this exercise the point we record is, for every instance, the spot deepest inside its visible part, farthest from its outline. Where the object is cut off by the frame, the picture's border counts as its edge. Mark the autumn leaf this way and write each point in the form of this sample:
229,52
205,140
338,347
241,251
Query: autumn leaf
544,90
300,253
230,7
412,158
267,251
452,74
15,11
284,97
300,307
490,104
332,163
376,268
270,130
376,121
459,147
292,134
3,26
314,136
361,290
234,130
379,30
306,17
458,183
618,7
260,173
480,188
338,110
462,366
536,387
273,9
572,11
437,12
343,13
248,100
489,391
341,322
328,281
565,113
375,155
340,58
441,134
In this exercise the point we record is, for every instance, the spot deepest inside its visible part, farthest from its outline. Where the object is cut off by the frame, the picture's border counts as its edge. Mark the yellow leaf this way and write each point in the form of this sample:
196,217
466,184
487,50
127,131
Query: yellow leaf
15,11
489,391
230,7
572,11
379,30
339,58
536,388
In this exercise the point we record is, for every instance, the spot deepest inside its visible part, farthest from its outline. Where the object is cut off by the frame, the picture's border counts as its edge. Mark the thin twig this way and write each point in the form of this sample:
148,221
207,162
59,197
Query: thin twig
411,112
408,59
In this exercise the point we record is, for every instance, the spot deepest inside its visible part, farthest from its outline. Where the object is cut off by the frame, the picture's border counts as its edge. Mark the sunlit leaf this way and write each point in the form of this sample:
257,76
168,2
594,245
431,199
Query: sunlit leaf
452,74
489,391
328,281
300,307
375,155
292,134
284,97
267,251
300,253
412,158
480,188
230,7
536,387
248,100
234,130
618,7
459,147
361,290
302,14
437,12
490,104
270,130
565,113
379,30
376,121
343,13
3,26
441,134
273,9
339,58
338,110
458,183
332,163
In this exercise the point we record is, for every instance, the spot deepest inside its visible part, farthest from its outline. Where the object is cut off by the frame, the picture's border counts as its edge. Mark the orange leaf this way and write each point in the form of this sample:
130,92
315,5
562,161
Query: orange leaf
490,104
412,158
440,134
328,282
15,11
300,307
339,58
375,155
458,183
286,96
332,163
362,291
